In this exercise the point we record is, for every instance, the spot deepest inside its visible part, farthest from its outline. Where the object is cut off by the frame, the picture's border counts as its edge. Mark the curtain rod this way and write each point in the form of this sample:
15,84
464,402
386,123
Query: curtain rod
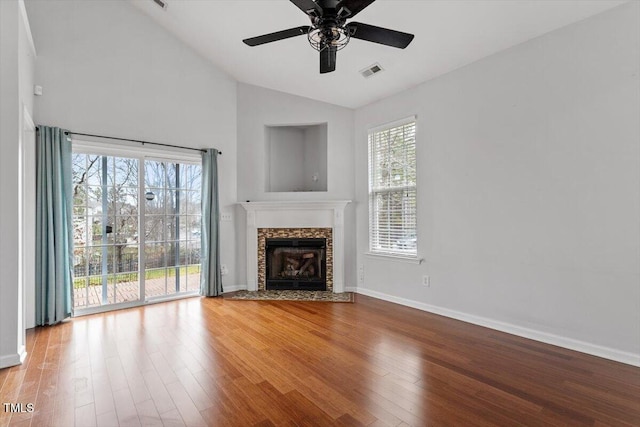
135,140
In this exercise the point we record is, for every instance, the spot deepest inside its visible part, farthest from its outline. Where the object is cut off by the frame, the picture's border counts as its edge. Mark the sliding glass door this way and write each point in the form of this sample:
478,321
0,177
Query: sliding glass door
172,230
136,230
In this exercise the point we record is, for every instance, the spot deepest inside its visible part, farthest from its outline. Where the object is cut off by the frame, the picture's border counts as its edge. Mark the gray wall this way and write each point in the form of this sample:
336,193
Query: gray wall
285,147
315,157
528,172
107,68
17,60
528,162
258,107
296,154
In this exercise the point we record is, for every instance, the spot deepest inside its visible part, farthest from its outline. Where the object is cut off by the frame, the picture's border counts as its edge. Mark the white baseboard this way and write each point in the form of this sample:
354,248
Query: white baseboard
545,337
351,289
11,360
229,288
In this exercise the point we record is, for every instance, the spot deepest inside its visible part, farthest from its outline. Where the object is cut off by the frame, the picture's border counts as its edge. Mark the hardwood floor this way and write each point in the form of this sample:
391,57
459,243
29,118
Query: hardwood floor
240,363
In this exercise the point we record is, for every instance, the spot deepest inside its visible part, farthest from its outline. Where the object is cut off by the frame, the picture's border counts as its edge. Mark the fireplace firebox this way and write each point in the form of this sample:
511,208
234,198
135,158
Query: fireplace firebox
296,264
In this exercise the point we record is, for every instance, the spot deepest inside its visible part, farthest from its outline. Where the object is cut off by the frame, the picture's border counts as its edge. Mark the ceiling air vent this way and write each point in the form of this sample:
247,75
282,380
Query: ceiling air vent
161,3
371,70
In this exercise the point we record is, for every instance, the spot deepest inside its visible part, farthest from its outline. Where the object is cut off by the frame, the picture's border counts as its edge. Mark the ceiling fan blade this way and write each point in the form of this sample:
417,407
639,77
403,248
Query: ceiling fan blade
353,6
380,35
308,6
278,35
328,59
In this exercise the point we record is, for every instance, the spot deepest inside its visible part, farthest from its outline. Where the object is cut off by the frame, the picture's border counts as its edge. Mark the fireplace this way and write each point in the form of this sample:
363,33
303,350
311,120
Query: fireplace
295,220
304,236
296,263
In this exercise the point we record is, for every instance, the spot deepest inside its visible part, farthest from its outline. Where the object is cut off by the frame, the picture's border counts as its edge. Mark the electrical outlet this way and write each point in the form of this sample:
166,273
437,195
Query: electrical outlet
225,216
224,270
361,274
426,281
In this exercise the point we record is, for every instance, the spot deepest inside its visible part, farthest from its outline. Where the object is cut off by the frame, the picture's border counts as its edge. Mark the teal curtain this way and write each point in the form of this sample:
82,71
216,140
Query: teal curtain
54,226
210,277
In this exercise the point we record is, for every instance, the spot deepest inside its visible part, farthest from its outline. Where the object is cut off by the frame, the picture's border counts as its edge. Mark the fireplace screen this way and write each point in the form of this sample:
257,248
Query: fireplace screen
296,264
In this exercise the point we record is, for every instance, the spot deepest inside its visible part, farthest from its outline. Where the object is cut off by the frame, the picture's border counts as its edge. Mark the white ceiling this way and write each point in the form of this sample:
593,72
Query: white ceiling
448,34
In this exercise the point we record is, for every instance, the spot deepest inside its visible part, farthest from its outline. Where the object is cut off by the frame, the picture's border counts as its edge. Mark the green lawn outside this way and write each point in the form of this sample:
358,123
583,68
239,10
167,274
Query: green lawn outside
80,282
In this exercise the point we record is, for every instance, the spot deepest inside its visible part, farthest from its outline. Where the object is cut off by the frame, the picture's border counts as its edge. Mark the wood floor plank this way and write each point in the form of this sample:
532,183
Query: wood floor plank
270,403
107,419
103,400
126,410
193,388
216,361
148,413
86,416
172,419
232,396
159,394
187,409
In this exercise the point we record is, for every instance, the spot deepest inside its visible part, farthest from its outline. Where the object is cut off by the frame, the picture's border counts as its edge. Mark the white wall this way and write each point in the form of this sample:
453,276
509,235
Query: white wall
106,68
529,202
16,78
258,107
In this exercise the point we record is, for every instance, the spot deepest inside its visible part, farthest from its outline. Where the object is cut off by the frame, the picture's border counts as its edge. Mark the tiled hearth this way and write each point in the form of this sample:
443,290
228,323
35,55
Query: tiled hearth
295,219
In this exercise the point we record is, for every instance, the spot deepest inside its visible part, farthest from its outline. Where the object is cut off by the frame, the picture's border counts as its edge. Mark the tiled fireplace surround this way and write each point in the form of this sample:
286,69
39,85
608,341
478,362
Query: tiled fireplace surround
294,233
295,219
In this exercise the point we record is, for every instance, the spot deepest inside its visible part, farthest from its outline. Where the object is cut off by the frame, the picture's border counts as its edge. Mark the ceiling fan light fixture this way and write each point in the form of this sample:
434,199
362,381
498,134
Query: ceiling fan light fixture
329,32
338,37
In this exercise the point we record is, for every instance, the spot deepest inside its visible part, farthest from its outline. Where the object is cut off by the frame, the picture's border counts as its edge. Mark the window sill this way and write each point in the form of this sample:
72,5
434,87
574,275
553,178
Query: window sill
393,257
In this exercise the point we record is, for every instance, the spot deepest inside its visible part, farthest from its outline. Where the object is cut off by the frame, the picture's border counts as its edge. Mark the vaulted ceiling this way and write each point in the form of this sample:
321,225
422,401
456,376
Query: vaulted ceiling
448,34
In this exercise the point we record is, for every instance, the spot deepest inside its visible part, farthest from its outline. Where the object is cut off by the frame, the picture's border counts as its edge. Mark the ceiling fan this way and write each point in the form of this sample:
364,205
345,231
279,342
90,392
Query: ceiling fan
329,31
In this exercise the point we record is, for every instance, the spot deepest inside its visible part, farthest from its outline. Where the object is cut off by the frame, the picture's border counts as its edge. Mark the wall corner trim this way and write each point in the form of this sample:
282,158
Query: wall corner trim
560,341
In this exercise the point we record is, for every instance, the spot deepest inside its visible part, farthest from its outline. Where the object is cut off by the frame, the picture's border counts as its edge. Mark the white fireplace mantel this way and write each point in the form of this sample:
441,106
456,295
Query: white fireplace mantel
300,214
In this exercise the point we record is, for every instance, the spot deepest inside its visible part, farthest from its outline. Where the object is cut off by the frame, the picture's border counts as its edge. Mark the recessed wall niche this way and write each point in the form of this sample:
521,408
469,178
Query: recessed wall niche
296,158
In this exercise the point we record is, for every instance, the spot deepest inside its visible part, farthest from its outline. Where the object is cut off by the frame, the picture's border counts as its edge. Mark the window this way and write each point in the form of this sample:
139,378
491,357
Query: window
392,189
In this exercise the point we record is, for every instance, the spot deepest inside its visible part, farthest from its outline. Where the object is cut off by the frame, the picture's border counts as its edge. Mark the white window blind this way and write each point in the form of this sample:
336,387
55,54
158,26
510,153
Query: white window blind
392,189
